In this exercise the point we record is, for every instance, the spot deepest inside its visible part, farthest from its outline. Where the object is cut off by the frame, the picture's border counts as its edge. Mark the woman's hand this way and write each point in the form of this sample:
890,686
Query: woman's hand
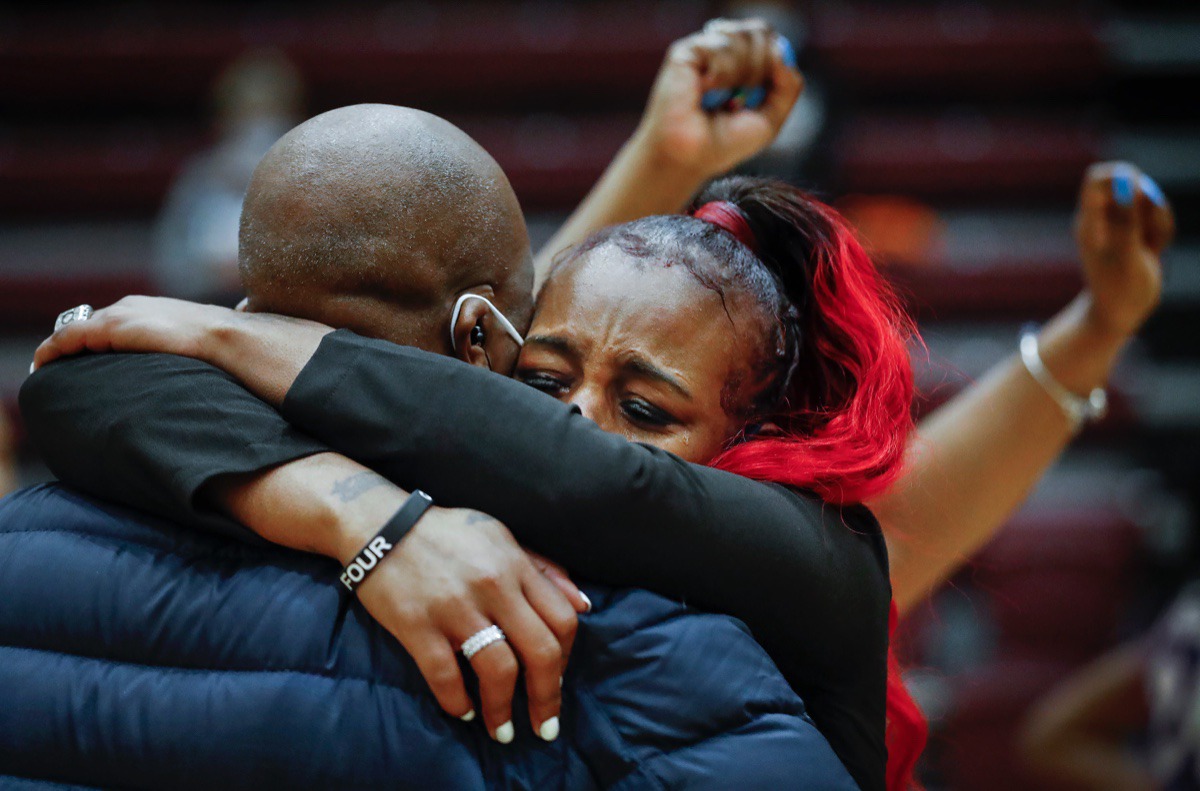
455,573
264,351
1122,226
561,579
679,145
726,54
137,324
460,571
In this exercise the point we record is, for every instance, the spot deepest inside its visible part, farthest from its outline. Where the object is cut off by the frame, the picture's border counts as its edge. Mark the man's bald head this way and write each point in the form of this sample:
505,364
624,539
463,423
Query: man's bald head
375,218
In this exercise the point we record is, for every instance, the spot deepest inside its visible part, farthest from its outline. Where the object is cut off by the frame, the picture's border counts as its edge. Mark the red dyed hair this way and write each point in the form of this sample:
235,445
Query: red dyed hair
853,392
845,413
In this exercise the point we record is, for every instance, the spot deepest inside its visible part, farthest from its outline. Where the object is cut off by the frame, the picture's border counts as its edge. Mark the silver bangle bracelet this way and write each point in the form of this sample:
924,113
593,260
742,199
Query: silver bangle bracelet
1079,410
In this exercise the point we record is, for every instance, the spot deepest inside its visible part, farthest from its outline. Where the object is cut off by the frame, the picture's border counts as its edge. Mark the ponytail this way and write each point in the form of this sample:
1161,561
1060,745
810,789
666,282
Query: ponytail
843,403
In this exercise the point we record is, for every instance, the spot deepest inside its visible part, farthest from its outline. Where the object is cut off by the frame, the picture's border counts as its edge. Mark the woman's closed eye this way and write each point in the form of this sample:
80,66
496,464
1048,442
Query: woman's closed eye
642,413
547,383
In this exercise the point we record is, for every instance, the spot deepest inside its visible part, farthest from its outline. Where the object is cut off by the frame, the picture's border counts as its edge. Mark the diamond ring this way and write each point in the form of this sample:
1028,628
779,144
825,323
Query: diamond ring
481,640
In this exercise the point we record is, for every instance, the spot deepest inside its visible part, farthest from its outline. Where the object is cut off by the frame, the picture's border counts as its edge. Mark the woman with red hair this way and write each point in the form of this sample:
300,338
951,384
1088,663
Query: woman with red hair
831,413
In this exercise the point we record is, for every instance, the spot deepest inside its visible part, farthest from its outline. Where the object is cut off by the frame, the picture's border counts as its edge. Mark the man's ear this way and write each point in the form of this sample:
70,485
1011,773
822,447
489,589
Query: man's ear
471,330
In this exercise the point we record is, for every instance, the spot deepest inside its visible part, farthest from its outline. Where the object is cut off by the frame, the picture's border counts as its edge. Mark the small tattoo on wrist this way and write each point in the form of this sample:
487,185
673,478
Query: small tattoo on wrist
350,489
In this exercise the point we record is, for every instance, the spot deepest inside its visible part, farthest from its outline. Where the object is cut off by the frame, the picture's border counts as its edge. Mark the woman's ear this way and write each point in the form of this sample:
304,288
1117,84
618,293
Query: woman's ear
767,429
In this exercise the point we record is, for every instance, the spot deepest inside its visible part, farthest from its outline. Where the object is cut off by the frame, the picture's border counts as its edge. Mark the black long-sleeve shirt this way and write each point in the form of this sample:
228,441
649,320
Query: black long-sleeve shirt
809,579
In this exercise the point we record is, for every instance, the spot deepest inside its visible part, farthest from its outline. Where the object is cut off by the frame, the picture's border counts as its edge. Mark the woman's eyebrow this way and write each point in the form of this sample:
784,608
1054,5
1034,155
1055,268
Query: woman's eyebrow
644,367
553,341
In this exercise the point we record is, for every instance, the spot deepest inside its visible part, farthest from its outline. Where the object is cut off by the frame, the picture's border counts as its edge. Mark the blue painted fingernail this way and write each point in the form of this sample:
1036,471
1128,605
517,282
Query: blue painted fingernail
787,52
714,99
1122,185
755,97
1152,190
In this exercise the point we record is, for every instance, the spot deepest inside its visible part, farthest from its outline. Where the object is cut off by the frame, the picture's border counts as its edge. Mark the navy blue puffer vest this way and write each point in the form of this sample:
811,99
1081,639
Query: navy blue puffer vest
137,654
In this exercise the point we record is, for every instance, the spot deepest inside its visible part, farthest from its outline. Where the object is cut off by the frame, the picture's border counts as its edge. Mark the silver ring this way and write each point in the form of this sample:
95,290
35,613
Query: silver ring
481,640
80,313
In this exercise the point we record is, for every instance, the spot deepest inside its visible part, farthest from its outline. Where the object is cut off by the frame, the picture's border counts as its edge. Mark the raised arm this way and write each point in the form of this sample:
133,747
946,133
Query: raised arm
678,145
977,457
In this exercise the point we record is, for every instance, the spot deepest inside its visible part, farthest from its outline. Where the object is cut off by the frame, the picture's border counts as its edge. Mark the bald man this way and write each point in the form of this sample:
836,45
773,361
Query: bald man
377,219
393,223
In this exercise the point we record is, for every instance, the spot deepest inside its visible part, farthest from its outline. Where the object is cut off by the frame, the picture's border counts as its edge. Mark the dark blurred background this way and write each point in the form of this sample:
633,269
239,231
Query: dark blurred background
954,134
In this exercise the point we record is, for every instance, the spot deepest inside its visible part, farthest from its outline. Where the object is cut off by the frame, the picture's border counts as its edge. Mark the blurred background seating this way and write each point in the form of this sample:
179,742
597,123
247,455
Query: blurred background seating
953,133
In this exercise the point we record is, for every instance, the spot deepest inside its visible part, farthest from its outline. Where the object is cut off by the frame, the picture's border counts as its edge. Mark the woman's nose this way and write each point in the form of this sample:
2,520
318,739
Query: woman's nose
590,401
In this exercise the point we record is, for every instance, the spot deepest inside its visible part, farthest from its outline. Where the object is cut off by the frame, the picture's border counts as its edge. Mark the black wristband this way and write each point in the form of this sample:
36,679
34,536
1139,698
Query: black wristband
396,529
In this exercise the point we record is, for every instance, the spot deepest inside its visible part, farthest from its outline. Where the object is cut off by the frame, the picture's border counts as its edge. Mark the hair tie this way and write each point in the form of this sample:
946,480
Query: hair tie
729,218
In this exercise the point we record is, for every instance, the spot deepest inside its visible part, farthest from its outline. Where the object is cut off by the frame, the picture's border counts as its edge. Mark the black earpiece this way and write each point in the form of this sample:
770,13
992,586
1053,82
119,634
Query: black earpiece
477,335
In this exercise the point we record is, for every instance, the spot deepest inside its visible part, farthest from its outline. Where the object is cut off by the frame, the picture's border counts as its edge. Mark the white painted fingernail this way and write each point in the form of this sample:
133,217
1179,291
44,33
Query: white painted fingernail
560,682
32,367
505,733
586,601
549,729
470,715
